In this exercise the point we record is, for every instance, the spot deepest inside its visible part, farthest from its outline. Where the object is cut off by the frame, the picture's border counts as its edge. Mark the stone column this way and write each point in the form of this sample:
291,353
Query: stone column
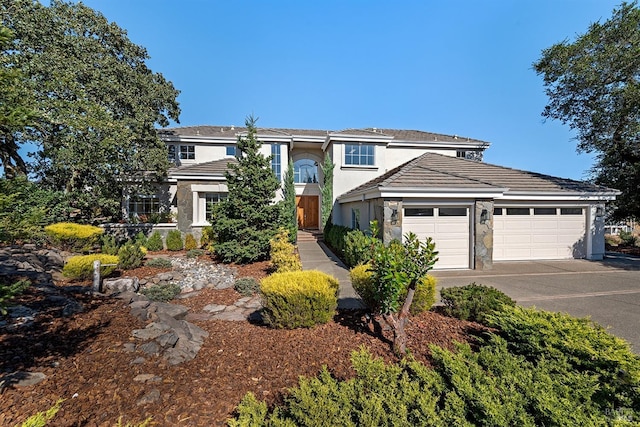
392,223
184,197
483,235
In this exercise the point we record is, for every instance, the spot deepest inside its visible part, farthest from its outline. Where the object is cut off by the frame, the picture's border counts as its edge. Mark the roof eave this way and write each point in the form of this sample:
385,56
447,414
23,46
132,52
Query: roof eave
561,195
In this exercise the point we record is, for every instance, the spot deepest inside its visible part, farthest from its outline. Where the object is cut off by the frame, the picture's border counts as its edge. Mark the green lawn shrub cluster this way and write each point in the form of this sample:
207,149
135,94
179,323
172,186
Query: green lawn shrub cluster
162,292
108,245
627,238
159,262
282,253
72,236
194,253
174,241
423,299
190,242
298,299
497,385
141,239
334,236
154,242
575,345
360,246
130,255
247,286
473,302
81,267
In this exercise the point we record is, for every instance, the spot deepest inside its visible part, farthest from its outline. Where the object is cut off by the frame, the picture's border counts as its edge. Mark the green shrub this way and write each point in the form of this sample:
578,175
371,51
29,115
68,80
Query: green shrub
174,241
130,256
578,342
154,242
207,239
247,286
159,262
473,302
282,253
194,253
627,238
362,282
298,298
10,289
81,267
73,237
162,293
108,245
141,239
490,387
334,236
425,295
359,247
190,242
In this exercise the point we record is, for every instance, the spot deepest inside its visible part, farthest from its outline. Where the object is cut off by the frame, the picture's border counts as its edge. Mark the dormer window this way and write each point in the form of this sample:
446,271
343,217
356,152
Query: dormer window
187,152
359,155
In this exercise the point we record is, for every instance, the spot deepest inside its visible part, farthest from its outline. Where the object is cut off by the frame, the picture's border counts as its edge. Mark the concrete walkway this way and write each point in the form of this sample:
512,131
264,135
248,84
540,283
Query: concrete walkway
317,256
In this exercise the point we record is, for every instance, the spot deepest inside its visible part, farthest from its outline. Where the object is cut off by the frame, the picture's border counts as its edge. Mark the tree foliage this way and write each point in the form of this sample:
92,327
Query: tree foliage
289,208
397,270
593,85
326,189
247,219
96,102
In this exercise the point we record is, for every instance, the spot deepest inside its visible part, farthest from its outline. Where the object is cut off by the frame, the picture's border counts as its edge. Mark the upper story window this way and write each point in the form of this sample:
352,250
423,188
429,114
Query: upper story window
305,171
187,152
461,154
231,150
171,153
359,154
276,162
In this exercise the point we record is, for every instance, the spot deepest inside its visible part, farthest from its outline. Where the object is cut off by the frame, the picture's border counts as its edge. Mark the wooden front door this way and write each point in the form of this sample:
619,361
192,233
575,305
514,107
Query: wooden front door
308,211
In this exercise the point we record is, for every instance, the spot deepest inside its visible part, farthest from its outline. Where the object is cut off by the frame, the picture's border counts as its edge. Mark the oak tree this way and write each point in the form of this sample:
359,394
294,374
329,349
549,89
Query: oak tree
96,102
593,85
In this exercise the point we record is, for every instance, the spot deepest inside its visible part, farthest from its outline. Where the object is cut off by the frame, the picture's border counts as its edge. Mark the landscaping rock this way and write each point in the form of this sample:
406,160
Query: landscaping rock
122,284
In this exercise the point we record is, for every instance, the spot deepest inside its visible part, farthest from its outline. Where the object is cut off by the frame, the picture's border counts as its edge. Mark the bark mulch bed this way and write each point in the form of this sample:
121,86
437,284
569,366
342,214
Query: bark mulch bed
85,361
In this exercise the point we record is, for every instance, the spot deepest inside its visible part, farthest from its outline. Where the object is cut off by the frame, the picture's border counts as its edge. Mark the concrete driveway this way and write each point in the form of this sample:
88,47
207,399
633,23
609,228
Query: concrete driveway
608,291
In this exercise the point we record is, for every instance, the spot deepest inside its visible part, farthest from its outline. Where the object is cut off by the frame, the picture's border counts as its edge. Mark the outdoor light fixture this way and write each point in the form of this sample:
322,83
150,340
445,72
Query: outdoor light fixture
599,211
484,216
394,216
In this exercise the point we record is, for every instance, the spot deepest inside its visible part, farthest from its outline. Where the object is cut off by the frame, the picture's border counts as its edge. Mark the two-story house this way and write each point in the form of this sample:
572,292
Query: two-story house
431,184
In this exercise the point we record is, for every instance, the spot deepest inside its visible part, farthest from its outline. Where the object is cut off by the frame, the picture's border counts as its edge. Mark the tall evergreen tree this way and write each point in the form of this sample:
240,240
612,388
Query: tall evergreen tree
289,209
248,218
326,189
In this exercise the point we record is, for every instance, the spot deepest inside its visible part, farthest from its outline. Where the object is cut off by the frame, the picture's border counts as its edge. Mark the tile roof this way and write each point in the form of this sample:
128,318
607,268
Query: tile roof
213,168
396,134
437,171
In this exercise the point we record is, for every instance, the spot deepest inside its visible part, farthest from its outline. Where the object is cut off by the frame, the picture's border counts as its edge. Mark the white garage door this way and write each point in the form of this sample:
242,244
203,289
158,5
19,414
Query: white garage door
527,233
447,226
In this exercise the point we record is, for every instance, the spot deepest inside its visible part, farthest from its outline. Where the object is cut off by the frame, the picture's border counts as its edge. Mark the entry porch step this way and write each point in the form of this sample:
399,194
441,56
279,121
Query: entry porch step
309,235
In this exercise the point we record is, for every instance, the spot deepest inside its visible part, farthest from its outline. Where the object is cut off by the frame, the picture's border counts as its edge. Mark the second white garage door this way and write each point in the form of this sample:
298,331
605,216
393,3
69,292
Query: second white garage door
529,233
447,226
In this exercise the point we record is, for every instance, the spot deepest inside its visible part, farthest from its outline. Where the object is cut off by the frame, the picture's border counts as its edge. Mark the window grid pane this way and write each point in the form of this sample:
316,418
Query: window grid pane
275,160
231,150
358,154
187,152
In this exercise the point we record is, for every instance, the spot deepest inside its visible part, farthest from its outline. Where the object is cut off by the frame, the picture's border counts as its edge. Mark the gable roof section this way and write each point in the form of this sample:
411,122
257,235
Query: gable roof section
209,170
438,174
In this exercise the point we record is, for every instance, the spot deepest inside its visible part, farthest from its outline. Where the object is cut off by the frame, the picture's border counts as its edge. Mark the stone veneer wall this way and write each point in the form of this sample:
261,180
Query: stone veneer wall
483,235
392,222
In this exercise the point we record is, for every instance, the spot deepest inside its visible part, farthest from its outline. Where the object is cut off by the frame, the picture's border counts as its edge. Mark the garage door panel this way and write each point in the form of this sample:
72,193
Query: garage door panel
538,236
450,233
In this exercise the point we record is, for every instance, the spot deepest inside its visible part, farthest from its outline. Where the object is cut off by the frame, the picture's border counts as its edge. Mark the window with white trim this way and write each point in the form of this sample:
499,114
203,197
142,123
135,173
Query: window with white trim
210,200
171,152
359,155
187,152
276,163
355,219
305,171
144,205
230,150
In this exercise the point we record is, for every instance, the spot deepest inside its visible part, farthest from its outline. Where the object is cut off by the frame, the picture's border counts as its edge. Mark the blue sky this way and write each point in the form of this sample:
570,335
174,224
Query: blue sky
453,67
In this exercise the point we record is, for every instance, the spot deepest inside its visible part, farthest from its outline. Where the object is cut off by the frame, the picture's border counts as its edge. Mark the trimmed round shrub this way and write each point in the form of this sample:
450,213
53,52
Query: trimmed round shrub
159,262
109,245
298,299
247,286
174,241
73,237
162,293
81,267
141,239
190,242
473,302
423,298
361,280
154,242
130,256
425,295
